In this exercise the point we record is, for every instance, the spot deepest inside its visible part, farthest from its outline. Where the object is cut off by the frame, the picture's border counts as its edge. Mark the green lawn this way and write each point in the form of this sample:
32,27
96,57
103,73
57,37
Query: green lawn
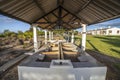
108,45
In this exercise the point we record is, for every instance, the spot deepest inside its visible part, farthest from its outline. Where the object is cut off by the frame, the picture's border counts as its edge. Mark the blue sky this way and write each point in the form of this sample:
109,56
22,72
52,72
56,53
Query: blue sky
12,24
111,23
15,25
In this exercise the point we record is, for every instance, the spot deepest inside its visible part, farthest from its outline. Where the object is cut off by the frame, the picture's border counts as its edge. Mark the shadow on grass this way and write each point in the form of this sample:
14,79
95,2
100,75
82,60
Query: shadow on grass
114,50
112,40
92,45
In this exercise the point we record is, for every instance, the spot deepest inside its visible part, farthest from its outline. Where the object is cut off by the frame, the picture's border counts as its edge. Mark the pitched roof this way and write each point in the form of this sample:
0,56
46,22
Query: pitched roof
68,14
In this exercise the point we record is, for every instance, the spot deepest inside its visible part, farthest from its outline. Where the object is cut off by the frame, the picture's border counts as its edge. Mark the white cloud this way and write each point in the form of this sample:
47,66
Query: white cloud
6,19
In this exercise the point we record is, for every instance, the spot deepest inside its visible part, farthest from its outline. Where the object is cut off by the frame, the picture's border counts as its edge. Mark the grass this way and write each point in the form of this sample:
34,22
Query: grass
108,45
117,65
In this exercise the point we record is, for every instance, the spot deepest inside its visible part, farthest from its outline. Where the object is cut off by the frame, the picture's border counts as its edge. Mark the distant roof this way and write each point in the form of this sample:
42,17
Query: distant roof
68,14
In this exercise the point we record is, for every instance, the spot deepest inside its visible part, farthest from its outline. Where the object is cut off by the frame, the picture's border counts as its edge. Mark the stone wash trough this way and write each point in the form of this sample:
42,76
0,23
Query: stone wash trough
56,65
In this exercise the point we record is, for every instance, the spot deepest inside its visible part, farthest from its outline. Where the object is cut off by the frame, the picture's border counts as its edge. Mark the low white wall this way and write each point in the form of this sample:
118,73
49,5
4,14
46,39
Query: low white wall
83,73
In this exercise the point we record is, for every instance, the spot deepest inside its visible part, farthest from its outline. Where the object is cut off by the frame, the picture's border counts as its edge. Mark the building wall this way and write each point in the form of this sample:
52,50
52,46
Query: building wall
113,31
109,31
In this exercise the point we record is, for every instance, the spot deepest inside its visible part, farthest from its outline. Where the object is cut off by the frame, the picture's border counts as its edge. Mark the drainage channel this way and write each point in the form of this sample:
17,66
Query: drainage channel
61,55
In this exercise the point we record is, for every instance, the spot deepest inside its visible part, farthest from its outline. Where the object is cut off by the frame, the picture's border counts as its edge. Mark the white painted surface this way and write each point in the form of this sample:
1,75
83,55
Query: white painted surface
87,58
88,70
84,73
45,36
35,38
52,35
72,40
105,31
49,35
114,31
83,37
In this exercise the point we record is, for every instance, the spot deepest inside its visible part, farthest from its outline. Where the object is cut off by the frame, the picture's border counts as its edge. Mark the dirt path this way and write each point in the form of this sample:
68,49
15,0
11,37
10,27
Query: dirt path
113,73
11,74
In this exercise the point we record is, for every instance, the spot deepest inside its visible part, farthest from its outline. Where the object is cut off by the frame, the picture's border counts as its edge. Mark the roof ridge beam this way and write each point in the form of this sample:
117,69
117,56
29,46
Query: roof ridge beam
60,2
43,11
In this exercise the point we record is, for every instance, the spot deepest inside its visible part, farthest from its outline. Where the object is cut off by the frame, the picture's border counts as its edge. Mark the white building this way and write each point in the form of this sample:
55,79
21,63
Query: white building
105,31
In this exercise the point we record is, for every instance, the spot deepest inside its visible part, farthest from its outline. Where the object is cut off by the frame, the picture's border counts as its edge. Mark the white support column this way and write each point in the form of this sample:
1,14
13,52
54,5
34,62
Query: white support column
45,36
35,37
68,37
49,35
52,35
72,37
83,45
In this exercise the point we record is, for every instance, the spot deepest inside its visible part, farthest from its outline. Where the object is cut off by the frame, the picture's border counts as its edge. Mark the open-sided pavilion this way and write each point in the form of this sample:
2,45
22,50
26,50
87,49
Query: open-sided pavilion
61,14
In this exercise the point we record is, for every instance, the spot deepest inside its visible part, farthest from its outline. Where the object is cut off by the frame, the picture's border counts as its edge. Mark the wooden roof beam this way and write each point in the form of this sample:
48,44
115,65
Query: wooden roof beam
48,25
68,24
43,11
84,6
61,16
79,18
65,15
45,22
54,14
45,15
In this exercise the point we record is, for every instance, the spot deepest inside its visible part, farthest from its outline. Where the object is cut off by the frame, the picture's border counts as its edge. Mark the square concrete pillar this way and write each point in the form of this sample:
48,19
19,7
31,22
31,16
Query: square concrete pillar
35,38
45,36
72,37
83,45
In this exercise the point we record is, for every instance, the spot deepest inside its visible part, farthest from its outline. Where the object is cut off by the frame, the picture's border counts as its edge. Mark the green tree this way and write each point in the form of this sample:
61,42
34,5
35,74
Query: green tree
20,32
28,34
76,32
13,34
40,32
2,35
6,33
21,35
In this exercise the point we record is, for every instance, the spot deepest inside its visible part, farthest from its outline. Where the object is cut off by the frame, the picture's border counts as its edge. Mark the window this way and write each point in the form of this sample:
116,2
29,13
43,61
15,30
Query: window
118,31
104,32
110,31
